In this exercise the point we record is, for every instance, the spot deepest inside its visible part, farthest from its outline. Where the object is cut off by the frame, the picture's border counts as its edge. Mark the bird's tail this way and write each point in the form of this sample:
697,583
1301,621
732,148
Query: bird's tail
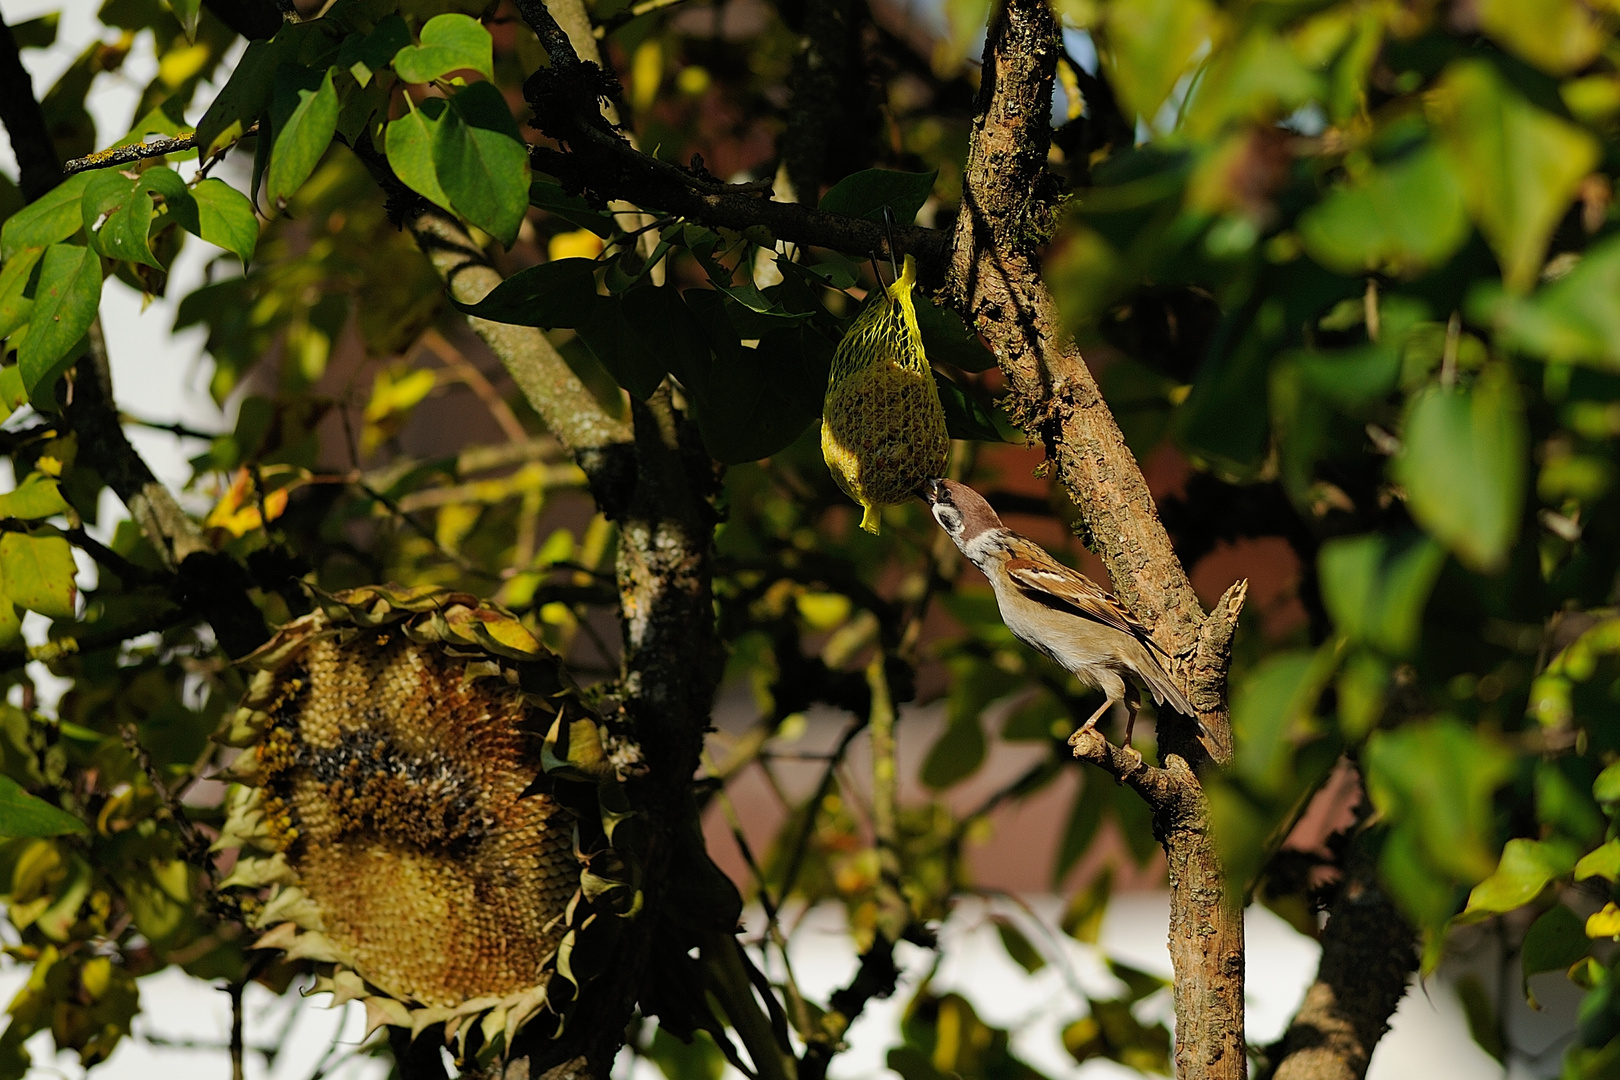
1163,689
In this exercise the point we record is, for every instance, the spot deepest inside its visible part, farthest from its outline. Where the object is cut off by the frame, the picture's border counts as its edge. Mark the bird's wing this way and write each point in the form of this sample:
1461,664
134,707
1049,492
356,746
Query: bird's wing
1045,579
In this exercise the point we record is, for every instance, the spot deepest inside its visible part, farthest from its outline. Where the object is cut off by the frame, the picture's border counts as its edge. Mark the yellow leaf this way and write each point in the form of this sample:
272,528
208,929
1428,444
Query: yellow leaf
581,244
1605,923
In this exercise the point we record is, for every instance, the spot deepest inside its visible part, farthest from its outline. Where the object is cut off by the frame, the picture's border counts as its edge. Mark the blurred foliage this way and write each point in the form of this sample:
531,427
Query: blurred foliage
1354,262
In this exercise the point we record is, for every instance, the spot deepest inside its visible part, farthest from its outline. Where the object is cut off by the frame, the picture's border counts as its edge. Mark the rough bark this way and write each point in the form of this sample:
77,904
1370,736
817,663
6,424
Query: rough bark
995,277
1369,952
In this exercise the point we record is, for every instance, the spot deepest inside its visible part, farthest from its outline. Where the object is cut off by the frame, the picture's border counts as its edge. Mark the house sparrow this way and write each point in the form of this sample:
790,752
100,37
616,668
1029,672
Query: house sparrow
1054,609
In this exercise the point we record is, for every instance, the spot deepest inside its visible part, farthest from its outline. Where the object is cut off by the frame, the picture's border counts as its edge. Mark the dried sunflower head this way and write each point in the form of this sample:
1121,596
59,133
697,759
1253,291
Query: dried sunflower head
389,818
882,425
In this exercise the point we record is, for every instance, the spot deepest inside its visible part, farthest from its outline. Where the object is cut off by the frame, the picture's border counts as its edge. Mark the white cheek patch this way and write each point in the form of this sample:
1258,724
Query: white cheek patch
979,548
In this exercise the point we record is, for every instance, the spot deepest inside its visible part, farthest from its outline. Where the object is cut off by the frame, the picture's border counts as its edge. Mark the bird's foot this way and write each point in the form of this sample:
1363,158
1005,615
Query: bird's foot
1082,731
1136,760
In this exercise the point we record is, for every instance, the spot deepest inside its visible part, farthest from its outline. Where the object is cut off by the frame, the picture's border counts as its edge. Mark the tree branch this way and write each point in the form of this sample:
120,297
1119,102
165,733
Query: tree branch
39,167
995,277
1369,951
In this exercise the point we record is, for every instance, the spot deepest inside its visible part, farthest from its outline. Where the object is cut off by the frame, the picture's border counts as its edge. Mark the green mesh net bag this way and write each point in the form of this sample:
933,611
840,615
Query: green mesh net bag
882,426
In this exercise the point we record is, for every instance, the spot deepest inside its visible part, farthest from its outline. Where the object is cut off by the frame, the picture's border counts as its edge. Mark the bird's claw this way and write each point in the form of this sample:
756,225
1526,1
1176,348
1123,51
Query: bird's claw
1081,732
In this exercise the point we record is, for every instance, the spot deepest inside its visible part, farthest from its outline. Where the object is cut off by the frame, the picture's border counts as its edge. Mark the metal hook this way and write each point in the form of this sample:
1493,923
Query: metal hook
894,251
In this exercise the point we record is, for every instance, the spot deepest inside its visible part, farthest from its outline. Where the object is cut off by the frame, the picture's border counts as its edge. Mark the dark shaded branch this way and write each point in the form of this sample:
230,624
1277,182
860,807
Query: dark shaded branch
827,87
39,167
1369,952
608,168
253,19
207,582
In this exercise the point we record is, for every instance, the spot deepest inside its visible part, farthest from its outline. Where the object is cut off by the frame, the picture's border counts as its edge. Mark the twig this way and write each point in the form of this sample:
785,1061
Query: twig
128,154
635,11
235,991
194,843
469,374
31,143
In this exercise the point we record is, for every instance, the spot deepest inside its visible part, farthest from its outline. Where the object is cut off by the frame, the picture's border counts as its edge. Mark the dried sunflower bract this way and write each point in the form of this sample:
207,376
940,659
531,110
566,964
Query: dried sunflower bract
420,811
882,425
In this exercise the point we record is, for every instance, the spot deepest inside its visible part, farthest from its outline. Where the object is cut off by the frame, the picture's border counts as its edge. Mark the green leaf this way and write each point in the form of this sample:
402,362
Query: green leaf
1376,586
864,194
1603,862
37,33
1446,811
49,219
1573,320
450,42
243,99
16,303
956,754
1268,709
37,572
1401,219
946,339
1085,817
1152,44
37,497
302,140
1353,377
65,305
965,416
554,294
187,12
1526,868
480,159
124,208
1558,36
631,335
22,814
1606,788
409,145
1017,945
749,403
1463,464
1554,941
225,218
363,57
1520,166
10,623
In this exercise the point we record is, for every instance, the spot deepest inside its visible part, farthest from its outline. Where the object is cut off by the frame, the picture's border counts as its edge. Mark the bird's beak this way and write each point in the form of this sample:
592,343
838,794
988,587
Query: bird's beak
930,491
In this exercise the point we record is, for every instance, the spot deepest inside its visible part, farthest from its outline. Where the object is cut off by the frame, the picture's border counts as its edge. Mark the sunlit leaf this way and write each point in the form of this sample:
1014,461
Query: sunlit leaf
1519,164
49,219
302,140
37,573
409,144
1526,868
1402,218
37,497
1571,320
1152,44
480,160
450,42
15,300
1376,586
1559,36
1463,464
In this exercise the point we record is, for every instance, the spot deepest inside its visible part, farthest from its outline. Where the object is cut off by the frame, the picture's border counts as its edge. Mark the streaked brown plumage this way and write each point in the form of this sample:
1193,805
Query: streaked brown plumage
1055,609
